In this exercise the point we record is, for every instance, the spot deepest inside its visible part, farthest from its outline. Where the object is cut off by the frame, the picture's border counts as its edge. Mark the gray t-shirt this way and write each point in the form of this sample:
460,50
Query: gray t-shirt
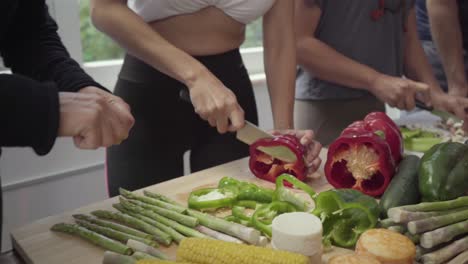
347,27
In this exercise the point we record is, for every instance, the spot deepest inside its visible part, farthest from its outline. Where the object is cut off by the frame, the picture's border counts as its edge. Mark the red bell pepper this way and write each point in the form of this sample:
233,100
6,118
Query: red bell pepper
268,168
365,156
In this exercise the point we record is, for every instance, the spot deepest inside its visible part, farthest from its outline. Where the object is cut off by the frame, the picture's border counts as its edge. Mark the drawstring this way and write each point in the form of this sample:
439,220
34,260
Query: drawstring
380,11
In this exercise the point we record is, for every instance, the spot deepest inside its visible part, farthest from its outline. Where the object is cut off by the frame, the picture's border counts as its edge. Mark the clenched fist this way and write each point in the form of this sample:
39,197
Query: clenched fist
94,118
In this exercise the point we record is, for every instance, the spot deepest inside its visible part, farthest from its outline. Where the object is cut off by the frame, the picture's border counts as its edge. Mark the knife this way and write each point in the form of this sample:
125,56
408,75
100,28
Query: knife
442,114
250,133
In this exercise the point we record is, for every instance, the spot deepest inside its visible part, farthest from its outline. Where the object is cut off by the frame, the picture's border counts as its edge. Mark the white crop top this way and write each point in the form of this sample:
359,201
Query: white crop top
244,11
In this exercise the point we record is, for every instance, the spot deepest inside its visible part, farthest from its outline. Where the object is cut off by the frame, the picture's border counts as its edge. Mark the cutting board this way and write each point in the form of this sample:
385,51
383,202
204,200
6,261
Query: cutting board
36,244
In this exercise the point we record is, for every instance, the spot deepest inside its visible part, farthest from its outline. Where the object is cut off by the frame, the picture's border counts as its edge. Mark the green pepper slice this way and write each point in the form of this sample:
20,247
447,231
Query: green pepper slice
263,216
247,190
212,198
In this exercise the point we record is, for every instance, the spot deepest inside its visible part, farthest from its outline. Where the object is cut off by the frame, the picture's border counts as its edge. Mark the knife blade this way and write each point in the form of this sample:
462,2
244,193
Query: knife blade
442,114
250,133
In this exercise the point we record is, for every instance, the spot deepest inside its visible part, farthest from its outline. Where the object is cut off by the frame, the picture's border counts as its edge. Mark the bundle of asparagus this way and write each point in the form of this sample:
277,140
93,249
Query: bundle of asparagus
142,222
440,228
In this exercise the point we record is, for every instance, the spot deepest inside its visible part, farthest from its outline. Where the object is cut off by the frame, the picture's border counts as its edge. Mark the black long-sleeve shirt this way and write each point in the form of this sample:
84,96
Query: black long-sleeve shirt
41,66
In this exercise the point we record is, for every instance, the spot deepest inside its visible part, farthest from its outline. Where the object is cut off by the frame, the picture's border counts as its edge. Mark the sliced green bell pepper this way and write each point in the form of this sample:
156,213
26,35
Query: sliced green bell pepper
247,191
285,194
263,216
443,172
212,198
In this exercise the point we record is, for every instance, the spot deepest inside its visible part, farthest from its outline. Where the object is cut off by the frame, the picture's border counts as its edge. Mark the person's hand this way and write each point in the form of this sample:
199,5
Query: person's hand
452,104
313,148
459,91
215,103
398,92
94,118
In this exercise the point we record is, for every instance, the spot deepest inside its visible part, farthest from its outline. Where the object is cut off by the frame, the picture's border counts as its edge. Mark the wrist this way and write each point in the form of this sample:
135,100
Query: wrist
371,81
192,74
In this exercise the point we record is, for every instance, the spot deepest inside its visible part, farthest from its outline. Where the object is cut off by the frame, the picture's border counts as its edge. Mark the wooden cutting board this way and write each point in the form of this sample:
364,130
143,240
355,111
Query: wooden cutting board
36,244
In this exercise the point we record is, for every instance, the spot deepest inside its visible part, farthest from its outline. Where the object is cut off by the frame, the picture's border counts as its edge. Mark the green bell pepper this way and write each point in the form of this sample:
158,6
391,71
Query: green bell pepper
247,191
345,215
212,198
443,172
263,216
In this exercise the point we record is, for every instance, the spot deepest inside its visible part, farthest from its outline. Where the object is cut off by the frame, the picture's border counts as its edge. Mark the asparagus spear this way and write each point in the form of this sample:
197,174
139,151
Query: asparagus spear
420,226
460,259
217,235
159,235
414,238
443,234
112,225
152,201
93,237
386,223
174,234
114,234
398,228
141,255
181,218
166,221
408,216
246,234
138,246
444,254
114,258
395,213
161,198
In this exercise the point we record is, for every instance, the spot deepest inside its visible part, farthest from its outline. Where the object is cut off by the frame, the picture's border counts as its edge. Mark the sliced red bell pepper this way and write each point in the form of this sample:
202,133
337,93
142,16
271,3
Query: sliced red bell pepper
362,158
381,122
268,168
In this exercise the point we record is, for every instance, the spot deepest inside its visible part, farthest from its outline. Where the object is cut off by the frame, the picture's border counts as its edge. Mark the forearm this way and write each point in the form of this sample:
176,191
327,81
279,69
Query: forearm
446,34
329,65
280,65
116,20
416,64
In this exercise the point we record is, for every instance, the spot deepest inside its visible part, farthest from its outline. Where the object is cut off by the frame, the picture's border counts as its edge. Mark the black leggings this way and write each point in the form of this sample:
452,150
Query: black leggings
166,127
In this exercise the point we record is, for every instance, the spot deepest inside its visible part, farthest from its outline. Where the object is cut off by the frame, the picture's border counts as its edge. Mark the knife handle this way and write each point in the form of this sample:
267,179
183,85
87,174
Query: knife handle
420,104
185,95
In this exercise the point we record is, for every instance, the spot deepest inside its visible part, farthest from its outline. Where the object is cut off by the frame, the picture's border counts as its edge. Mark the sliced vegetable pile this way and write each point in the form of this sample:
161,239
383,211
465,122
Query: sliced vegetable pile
418,139
345,213
365,156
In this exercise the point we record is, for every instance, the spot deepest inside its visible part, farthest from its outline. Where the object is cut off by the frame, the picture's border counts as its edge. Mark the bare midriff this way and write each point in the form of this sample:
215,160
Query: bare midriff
206,32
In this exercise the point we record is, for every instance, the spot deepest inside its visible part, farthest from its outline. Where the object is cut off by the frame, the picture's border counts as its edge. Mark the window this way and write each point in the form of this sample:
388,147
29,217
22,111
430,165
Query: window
97,46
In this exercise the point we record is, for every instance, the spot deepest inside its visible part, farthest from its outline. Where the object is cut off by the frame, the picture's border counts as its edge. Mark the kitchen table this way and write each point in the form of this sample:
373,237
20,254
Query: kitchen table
36,244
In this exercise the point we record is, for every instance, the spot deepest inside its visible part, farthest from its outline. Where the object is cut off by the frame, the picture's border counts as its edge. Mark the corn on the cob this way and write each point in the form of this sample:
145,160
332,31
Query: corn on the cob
157,261
208,251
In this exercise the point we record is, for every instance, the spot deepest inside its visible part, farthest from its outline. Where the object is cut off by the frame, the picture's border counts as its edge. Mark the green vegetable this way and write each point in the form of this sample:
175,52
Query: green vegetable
263,216
93,237
112,225
403,189
164,199
212,198
443,234
247,190
345,213
185,230
421,144
171,232
159,235
446,253
442,173
284,194
114,258
420,226
138,246
141,255
114,234
398,228
244,233
414,238
152,201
